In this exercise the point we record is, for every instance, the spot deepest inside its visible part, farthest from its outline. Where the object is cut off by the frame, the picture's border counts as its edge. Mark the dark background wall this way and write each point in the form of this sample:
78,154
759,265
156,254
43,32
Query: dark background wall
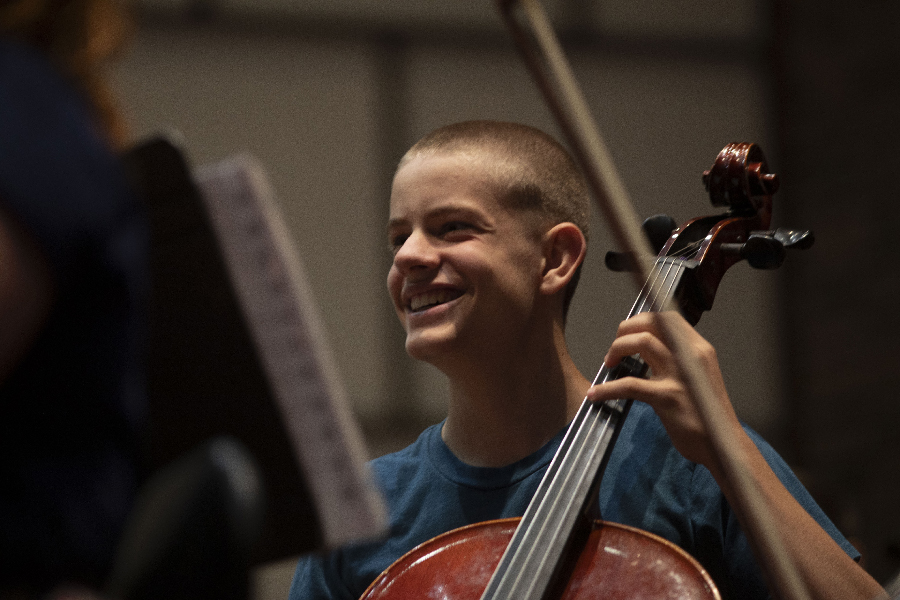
838,80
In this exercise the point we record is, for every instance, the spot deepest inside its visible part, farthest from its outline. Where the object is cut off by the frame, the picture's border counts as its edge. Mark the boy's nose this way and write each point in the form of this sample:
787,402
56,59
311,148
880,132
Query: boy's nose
417,251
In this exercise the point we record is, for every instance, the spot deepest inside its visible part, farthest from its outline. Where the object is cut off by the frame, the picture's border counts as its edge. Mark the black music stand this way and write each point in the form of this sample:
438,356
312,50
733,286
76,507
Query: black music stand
209,376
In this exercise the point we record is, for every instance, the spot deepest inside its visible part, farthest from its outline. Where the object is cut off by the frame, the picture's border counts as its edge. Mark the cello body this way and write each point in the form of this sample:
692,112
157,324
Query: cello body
617,562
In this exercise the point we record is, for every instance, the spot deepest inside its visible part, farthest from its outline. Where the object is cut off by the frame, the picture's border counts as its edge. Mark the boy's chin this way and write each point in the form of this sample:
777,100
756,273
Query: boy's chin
428,346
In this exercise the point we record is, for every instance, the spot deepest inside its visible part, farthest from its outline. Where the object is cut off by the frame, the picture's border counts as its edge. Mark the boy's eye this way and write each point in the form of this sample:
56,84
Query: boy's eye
452,226
395,242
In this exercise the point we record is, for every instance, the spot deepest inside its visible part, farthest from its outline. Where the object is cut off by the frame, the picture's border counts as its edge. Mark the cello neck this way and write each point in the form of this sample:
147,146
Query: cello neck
562,505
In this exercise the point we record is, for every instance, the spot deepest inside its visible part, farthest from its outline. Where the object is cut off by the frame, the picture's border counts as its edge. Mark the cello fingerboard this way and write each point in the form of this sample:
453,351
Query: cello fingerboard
567,492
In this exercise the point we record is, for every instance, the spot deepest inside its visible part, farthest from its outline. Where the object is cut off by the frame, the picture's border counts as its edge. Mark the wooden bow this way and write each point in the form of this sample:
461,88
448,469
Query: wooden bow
536,40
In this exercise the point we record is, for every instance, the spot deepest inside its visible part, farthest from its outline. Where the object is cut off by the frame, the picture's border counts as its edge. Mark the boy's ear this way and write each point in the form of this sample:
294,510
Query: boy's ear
564,250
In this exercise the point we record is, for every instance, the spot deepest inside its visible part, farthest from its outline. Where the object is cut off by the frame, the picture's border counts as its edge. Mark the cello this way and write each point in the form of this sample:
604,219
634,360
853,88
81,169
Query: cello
558,549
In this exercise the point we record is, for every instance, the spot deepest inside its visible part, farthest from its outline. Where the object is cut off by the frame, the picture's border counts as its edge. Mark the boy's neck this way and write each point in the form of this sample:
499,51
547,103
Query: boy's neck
503,412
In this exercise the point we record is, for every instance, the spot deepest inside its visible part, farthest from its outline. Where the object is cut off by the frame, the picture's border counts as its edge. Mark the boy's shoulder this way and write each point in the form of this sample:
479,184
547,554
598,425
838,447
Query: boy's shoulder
400,465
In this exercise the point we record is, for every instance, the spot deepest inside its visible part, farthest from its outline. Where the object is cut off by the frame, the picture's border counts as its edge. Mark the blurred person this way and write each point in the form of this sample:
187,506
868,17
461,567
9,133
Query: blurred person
72,279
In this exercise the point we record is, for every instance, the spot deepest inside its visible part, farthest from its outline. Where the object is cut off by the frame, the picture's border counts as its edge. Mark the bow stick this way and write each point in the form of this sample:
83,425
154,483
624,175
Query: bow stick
556,81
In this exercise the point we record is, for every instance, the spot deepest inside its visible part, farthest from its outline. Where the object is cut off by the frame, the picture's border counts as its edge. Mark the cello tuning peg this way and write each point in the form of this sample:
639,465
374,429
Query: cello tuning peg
657,228
795,239
762,250
766,249
619,261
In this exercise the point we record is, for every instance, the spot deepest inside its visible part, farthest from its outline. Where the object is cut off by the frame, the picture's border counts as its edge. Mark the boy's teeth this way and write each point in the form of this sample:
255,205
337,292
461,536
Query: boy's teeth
430,298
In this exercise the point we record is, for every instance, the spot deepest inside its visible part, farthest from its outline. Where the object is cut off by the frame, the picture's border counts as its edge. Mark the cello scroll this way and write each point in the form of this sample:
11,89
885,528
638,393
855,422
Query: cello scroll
740,181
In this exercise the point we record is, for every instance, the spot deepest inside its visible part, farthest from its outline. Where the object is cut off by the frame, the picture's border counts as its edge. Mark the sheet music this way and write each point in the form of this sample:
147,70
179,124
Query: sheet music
272,287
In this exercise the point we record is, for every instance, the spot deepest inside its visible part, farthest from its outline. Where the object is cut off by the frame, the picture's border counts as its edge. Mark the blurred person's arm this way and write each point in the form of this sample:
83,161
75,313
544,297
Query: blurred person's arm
25,292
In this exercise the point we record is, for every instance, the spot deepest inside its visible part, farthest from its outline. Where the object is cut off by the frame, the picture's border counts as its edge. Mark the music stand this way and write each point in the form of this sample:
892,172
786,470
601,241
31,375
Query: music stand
235,348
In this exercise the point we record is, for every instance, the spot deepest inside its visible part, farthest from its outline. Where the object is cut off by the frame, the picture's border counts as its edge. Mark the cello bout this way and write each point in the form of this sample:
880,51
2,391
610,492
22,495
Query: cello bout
617,563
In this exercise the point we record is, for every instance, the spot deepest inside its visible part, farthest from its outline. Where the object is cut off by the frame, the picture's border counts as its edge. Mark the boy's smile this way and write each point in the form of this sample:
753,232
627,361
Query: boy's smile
465,266
426,300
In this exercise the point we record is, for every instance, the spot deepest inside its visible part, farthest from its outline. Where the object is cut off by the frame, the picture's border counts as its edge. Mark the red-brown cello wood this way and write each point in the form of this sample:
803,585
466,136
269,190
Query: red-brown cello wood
557,550
459,564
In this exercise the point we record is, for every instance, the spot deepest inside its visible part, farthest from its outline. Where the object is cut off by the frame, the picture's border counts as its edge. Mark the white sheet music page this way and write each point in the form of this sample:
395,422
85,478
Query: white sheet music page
271,284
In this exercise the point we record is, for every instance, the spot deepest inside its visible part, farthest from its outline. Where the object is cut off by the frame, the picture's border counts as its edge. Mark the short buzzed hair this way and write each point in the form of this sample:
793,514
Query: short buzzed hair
531,169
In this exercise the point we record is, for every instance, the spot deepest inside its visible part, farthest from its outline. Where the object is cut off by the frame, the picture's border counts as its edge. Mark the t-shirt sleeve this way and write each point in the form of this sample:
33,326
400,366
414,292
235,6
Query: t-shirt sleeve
801,494
721,545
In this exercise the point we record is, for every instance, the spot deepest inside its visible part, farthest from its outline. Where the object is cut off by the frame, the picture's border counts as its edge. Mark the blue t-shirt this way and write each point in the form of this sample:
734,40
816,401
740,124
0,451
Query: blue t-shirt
647,484
71,410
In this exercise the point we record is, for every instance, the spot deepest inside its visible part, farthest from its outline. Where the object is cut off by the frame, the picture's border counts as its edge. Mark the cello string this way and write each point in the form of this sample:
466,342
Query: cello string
543,530
584,452
600,426
654,294
546,532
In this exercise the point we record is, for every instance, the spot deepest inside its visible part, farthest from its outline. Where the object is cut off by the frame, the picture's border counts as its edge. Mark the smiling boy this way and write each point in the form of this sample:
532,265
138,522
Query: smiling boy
488,225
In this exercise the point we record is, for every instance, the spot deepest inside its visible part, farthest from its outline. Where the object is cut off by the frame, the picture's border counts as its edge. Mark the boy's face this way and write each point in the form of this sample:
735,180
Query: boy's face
466,268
